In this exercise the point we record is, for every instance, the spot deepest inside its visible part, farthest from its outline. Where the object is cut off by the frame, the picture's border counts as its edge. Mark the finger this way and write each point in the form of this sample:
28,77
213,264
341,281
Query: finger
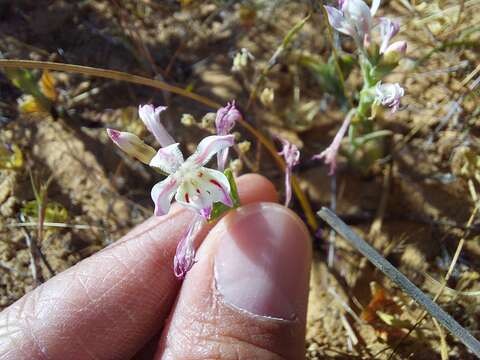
107,306
246,298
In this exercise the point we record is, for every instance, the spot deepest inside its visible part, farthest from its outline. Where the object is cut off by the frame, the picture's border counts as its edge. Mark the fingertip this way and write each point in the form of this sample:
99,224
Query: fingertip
249,289
255,188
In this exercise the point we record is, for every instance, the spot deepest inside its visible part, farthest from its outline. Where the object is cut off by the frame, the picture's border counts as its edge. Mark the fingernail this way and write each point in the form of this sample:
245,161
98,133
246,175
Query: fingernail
263,261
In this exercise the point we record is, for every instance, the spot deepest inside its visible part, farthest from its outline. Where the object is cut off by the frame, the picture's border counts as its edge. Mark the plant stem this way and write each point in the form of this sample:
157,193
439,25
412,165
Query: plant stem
401,280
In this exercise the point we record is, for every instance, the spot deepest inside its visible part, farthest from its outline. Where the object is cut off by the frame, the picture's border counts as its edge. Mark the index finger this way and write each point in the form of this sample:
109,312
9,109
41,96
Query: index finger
109,305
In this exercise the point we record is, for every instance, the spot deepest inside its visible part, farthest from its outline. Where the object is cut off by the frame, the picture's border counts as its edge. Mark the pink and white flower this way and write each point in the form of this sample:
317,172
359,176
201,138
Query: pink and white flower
353,18
389,95
193,185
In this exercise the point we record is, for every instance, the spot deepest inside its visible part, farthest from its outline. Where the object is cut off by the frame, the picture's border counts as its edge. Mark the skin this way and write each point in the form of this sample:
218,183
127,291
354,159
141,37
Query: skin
124,302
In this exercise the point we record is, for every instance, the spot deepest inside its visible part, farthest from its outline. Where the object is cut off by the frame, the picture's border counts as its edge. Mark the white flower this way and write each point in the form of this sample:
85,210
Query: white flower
389,95
353,18
193,185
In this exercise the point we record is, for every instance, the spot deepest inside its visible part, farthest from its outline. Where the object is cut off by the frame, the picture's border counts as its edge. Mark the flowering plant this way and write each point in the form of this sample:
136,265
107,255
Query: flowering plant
208,192
376,59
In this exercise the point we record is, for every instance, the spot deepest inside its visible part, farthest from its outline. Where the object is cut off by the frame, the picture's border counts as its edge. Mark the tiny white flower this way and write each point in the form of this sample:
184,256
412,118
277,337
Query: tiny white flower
389,95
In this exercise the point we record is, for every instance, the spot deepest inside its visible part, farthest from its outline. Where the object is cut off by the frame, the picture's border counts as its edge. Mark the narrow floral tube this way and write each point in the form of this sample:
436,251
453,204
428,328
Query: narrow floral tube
185,254
224,122
329,155
291,154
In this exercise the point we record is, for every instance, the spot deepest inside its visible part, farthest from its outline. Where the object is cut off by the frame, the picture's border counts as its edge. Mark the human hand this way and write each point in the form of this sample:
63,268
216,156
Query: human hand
246,297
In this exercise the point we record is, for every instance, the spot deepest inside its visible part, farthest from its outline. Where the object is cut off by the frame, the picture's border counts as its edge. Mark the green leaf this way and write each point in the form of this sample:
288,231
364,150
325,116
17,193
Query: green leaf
54,212
218,208
326,74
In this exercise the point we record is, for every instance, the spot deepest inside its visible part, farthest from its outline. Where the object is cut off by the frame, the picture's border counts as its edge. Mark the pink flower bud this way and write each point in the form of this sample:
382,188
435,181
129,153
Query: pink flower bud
397,49
224,122
132,145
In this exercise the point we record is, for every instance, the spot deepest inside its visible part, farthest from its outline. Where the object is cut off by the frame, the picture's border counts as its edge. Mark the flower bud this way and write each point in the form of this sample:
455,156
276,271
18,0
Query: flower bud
132,145
394,52
267,96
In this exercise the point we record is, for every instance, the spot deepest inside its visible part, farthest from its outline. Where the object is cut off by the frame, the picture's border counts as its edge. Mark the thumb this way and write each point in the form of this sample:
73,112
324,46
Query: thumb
247,295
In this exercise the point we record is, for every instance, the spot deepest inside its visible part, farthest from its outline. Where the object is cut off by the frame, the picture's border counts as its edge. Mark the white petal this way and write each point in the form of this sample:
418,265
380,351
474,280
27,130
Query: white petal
151,118
338,21
358,14
168,159
218,186
162,194
374,7
203,190
209,146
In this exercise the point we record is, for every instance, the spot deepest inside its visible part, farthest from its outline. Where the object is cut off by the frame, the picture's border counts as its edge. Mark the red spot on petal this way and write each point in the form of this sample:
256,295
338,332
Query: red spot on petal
198,191
216,183
187,198
200,174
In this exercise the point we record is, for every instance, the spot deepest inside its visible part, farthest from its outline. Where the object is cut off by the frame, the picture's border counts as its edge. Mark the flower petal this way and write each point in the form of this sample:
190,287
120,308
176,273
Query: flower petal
374,7
162,194
207,187
209,146
338,21
132,145
358,15
151,118
168,159
388,29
